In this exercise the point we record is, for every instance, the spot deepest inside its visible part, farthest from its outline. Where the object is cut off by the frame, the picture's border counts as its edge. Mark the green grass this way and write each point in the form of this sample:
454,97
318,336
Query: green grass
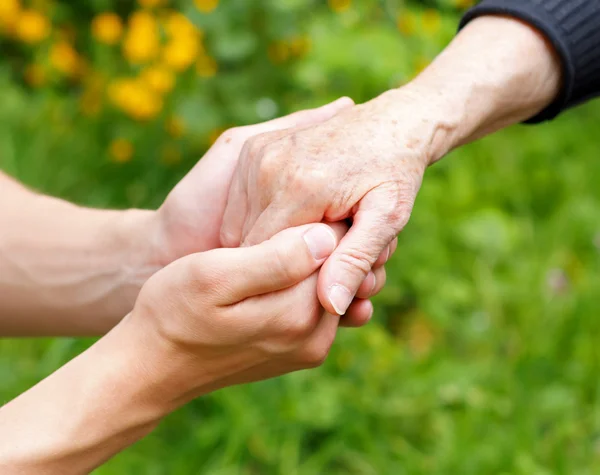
484,353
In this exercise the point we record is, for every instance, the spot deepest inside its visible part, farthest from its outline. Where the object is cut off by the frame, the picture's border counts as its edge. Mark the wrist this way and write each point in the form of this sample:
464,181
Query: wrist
135,237
93,407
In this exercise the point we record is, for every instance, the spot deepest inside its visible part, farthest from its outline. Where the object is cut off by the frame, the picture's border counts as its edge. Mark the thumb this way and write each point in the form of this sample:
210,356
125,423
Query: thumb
304,118
375,225
281,262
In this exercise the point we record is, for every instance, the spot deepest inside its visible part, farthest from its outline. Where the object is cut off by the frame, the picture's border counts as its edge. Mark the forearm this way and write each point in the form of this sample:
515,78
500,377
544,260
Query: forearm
96,405
67,270
498,71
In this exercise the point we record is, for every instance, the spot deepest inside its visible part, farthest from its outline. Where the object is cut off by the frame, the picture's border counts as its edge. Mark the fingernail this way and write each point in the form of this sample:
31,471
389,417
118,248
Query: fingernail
320,241
340,298
374,282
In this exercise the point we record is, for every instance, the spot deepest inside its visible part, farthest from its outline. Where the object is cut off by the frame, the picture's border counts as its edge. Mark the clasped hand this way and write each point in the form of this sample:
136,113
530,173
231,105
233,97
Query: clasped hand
232,315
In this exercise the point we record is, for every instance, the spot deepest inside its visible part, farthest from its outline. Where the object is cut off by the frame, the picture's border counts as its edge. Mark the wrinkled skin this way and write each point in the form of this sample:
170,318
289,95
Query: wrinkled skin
191,217
365,163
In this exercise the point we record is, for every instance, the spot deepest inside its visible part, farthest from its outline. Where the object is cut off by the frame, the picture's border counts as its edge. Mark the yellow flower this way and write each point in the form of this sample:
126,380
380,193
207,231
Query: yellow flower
35,75
300,45
67,33
206,6
142,40
135,98
170,155
107,28
160,79
121,150
175,127
339,5
32,27
64,58
151,3
90,102
431,21
421,335
206,67
407,24
141,19
180,52
9,14
279,52
178,25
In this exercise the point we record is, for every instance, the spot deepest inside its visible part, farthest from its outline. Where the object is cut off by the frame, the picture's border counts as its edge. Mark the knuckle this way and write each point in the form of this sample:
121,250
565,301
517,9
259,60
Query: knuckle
252,147
228,238
282,264
313,357
400,216
299,329
269,166
304,182
357,260
196,272
397,207
257,143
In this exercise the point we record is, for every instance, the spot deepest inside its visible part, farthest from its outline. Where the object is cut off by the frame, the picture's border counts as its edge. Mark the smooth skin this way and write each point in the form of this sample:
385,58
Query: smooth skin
367,163
206,321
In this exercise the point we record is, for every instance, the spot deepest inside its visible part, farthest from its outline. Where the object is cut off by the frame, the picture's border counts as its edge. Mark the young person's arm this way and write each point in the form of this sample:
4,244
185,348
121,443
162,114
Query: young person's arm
206,321
96,405
68,270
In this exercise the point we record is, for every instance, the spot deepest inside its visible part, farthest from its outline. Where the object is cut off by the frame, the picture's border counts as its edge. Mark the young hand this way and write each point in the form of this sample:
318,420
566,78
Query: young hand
230,316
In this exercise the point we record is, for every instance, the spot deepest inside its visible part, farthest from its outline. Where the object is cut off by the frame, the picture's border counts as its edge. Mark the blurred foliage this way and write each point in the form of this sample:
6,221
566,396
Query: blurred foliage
483,355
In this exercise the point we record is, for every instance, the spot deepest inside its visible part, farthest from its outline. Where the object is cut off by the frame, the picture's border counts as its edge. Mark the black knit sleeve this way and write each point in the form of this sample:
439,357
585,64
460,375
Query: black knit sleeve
573,28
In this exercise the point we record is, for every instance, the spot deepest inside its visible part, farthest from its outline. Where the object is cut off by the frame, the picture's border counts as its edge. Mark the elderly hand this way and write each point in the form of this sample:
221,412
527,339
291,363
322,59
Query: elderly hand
366,163
190,218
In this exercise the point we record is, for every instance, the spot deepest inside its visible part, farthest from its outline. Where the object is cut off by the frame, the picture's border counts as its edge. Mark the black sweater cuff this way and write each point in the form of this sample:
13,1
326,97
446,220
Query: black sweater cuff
573,28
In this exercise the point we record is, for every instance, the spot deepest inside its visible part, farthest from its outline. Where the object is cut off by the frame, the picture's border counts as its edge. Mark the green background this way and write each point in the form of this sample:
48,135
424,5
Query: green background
483,355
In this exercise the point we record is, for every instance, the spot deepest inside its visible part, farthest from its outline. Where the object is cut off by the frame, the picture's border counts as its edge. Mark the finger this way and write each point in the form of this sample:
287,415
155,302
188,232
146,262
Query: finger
359,313
393,246
387,254
380,280
317,346
235,213
374,226
281,262
367,286
293,312
383,257
373,284
277,217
